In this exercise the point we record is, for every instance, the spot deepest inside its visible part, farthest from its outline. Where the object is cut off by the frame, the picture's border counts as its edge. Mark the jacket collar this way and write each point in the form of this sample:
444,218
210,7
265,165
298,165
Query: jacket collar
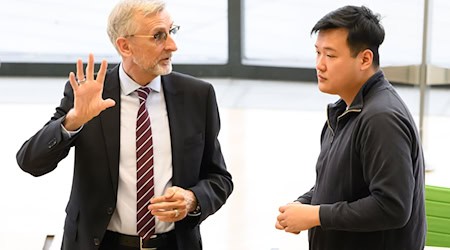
175,104
110,122
339,109
375,83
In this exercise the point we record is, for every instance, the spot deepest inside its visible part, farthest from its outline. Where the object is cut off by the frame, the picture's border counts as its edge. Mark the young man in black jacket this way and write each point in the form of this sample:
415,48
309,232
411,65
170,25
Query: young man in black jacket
369,189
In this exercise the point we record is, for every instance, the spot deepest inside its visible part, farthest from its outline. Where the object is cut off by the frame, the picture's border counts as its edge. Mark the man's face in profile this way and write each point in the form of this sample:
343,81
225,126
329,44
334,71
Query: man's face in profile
337,70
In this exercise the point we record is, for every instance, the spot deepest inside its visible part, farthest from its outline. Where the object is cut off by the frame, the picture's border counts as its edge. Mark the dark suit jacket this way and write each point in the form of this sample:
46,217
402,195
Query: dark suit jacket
197,160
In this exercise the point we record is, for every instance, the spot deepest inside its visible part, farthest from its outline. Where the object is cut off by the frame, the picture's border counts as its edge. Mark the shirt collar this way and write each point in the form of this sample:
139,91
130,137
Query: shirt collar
128,85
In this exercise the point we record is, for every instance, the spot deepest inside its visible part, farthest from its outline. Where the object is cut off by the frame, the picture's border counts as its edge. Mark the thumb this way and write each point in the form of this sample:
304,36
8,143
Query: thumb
170,192
108,103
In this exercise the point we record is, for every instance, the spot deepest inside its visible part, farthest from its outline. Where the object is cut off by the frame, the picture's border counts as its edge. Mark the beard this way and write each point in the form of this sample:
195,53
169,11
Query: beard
156,68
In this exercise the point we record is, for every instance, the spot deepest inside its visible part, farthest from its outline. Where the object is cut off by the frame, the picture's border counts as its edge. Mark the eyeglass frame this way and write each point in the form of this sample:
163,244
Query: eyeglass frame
160,36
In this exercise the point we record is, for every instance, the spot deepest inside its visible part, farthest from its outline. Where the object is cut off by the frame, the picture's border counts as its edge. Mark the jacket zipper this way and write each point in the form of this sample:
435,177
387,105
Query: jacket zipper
339,117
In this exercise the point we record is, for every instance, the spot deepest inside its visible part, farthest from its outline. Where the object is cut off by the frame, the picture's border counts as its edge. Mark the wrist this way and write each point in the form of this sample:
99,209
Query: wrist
197,209
70,122
191,201
317,215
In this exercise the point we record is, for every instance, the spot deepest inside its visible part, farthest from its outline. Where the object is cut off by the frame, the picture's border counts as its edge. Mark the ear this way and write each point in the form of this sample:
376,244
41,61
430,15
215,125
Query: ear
366,59
123,45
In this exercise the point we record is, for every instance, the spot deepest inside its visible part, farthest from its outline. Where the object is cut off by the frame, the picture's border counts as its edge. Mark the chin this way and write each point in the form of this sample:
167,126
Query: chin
323,88
164,70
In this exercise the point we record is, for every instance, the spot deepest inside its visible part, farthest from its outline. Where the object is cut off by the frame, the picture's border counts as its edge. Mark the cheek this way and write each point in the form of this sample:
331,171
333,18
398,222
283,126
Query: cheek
341,73
153,56
146,53
348,73
337,76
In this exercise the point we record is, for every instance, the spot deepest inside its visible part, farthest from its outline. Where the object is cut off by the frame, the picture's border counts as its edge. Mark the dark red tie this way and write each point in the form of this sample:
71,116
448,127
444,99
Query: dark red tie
144,163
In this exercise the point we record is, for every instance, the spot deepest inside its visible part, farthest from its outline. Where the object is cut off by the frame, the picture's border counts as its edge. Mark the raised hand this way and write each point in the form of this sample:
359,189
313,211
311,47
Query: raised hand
88,100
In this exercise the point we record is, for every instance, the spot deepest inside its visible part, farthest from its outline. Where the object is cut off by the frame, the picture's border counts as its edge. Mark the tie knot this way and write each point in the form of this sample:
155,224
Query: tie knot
143,93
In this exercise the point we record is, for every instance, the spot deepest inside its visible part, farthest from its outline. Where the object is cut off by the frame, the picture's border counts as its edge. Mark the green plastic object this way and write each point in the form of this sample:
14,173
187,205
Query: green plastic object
437,206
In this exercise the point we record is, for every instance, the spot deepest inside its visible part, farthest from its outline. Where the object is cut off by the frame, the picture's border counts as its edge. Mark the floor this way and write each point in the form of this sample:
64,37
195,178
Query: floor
270,139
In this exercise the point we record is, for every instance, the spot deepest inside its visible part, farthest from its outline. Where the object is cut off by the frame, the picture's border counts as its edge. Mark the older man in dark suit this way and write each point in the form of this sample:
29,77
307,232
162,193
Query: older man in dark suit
148,164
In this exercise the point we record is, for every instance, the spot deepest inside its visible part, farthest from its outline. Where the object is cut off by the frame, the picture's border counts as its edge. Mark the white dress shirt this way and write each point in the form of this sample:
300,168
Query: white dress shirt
124,217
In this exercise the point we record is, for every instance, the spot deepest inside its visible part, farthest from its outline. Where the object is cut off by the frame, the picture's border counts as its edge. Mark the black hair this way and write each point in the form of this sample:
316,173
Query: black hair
364,28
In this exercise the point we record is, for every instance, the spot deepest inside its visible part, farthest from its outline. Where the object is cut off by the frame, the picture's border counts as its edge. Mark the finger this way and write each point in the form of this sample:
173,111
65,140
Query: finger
157,199
170,213
278,226
282,223
102,72
90,68
291,230
80,71
108,103
73,81
281,217
162,205
170,193
165,219
282,209
157,205
166,206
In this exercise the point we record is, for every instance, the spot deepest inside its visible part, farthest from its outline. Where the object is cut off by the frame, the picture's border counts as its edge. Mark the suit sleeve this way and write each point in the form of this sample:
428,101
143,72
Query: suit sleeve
43,151
215,183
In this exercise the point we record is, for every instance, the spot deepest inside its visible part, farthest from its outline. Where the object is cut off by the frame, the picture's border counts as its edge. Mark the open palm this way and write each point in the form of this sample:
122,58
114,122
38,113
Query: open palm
88,100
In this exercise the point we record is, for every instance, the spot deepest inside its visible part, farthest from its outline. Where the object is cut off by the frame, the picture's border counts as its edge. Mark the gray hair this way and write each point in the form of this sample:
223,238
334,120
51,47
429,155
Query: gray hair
121,20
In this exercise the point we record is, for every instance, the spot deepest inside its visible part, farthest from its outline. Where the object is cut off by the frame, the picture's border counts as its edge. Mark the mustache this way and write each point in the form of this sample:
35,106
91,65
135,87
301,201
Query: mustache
167,56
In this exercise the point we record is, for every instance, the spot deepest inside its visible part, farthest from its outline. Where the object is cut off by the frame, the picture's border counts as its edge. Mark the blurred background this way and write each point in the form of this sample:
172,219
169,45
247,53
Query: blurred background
260,57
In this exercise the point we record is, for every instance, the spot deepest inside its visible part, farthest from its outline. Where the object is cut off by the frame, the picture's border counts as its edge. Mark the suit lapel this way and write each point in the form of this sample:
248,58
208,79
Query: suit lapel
174,97
110,120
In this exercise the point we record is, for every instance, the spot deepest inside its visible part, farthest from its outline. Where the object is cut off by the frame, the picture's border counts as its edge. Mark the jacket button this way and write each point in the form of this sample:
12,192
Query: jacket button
96,242
110,210
52,143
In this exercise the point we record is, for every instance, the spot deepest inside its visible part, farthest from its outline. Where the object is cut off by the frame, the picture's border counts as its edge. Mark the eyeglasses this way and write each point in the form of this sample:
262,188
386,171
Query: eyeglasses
160,36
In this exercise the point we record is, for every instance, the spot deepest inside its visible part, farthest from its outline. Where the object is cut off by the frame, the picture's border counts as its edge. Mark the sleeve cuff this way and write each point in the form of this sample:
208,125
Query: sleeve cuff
196,212
69,134
325,216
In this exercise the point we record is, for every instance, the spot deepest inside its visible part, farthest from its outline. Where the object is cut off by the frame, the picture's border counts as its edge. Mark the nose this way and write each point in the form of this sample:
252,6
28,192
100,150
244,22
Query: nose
170,44
320,64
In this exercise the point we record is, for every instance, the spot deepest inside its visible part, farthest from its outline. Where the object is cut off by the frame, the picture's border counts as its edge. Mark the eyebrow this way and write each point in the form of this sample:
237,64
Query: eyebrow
326,48
161,27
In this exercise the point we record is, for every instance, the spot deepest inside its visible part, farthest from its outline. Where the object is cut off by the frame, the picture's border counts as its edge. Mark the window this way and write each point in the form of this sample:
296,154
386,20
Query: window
53,31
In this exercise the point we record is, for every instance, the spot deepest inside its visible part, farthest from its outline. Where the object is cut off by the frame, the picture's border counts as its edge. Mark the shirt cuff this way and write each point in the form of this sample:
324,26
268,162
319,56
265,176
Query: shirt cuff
196,212
69,134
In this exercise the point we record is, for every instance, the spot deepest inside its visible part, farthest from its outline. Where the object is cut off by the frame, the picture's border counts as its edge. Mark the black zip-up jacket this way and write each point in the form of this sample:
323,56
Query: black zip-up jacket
370,175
